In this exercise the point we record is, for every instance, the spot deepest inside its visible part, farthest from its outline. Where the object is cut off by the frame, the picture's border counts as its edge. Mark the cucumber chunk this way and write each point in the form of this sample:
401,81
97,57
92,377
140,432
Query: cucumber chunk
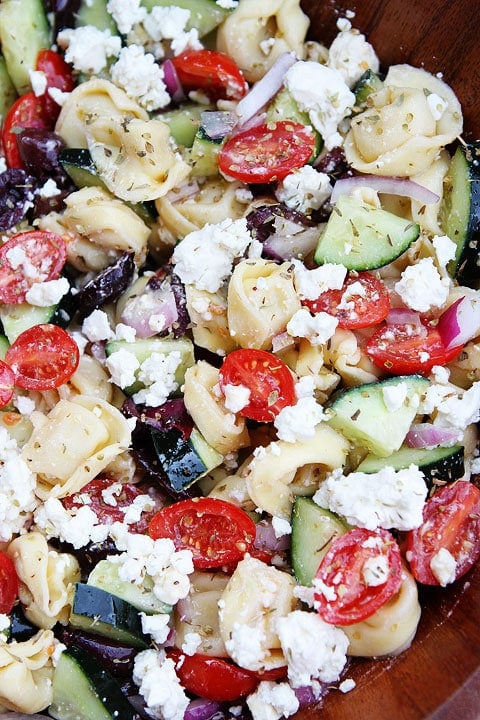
205,15
100,612
460,212
362,237
84,690
362,415
369,83
105,576
17,318
204,154
184,461
24,31
94,12
184,122
313,530
8,94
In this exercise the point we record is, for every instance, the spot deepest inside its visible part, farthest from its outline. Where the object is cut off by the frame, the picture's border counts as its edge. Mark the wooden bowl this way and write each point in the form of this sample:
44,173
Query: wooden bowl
438,678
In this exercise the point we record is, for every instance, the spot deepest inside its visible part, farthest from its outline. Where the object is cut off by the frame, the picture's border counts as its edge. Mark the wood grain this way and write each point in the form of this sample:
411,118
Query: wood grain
438,678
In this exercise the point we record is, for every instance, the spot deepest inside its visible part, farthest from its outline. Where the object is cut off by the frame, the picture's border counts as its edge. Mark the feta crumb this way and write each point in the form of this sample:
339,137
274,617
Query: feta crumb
236,397
122,366
96,326
445,249
281,527
352,55
304,189
421,287
347,685
272,701
156,626
316,328
375,570
38,81
309,284
141,77
297,423
159,685
157,373
24,404
49,189
394,396
17,489
126,14
88,48
444,567
50,292
192,642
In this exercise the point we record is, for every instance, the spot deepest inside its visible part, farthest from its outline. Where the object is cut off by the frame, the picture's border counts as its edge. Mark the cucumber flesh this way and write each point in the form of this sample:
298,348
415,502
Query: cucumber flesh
204,154
362,415
183,122
105,576
94,12
313,530
205,15
8,94
362,237
17,318
369,83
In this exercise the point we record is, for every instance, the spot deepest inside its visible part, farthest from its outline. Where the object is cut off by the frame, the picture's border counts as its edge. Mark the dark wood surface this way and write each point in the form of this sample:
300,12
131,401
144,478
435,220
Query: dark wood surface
438,678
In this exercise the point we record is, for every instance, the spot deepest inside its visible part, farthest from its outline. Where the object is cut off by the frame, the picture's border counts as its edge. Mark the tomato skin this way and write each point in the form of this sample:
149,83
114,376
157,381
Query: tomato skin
59,75
269,380
217,532
360,310
8,583
403,350
266,153
343,565
43,357
105,512
26,112
7,383
212,678
451,520
45,253
211,71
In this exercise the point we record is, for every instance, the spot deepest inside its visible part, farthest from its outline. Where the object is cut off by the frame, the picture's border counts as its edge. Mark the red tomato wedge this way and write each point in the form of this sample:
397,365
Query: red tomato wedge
363,301
266,153
8,584
212,677
269,380
217,532
408,349
58,75
26,258
43,357
26,112
7,383
362,570
451,521
216,74
110,507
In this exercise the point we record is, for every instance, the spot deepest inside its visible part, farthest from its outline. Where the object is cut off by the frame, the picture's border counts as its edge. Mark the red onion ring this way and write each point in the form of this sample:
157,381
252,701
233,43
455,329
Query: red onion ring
387,185
172,82
263,90
427,435
460,322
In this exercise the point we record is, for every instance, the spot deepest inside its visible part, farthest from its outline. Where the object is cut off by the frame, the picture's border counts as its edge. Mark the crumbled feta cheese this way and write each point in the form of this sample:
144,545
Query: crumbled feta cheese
96,326
17,489
141,77
437,105
458,409
88,48
281,527
125,332
126,13
309,284
204,258
38,81
375,570
159,685
421,287
246,646
445,249
323,659
122,366
387,499
78,527
156,626
3,164
166,23
297,423
24,404
236,397
347,685
352,55
192,642
323,94
304,189
272,701
50,292
394,396
316,328
157,373
444,566
49,189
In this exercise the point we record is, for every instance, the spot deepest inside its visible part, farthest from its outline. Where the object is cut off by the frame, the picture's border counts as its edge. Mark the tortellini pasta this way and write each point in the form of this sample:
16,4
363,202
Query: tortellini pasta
256,596
257,33
74,443
46,579
261,301
343,353
208,314
407,123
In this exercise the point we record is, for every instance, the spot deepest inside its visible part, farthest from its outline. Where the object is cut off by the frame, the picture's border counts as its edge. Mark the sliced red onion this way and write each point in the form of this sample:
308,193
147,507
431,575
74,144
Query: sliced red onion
292,242
263,90
257,119
403,316
172,82
282,341
460,322
217,123
151,312
307,695
383,184
427,435
201,709
265,538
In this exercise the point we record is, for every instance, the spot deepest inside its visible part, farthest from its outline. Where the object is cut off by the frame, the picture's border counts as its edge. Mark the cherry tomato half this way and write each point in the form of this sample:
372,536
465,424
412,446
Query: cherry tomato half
407,350
58,75
363,301
266,153
7,383
26,112
43,357
451,520
8,584
349,569
26,258
110,507
269,380
213,72
212,677
217,532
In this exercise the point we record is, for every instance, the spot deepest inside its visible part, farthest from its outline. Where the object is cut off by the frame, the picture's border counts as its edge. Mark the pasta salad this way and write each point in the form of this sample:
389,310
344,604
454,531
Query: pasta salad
239,359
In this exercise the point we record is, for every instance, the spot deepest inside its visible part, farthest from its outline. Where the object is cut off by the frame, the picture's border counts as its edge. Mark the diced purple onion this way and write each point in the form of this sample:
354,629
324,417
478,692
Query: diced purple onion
383,184
460,322
217,123
405,316
291,242
265,538
201,709
282,341
173,84
141,309
263,91
427,435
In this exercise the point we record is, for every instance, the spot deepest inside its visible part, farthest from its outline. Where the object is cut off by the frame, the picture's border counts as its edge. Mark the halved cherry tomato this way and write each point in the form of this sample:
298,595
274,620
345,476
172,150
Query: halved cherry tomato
363,301
347,569
212,677
407,349
43,357
27,258
26,112
58,75
217,532
216,74
7,383
8,584
96,495
451,520
269,380
266,153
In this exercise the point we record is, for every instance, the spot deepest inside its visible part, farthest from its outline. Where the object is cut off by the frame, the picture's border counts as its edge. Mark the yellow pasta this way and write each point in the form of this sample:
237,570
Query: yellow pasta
342,352
208,314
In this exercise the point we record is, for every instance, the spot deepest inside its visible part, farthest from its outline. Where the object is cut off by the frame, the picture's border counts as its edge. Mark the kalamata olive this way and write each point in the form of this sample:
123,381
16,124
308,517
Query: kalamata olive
39,150
107,286
16,196
117,658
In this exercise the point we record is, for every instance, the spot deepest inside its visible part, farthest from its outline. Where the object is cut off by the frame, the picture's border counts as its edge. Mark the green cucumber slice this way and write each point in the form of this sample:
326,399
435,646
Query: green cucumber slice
105,576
